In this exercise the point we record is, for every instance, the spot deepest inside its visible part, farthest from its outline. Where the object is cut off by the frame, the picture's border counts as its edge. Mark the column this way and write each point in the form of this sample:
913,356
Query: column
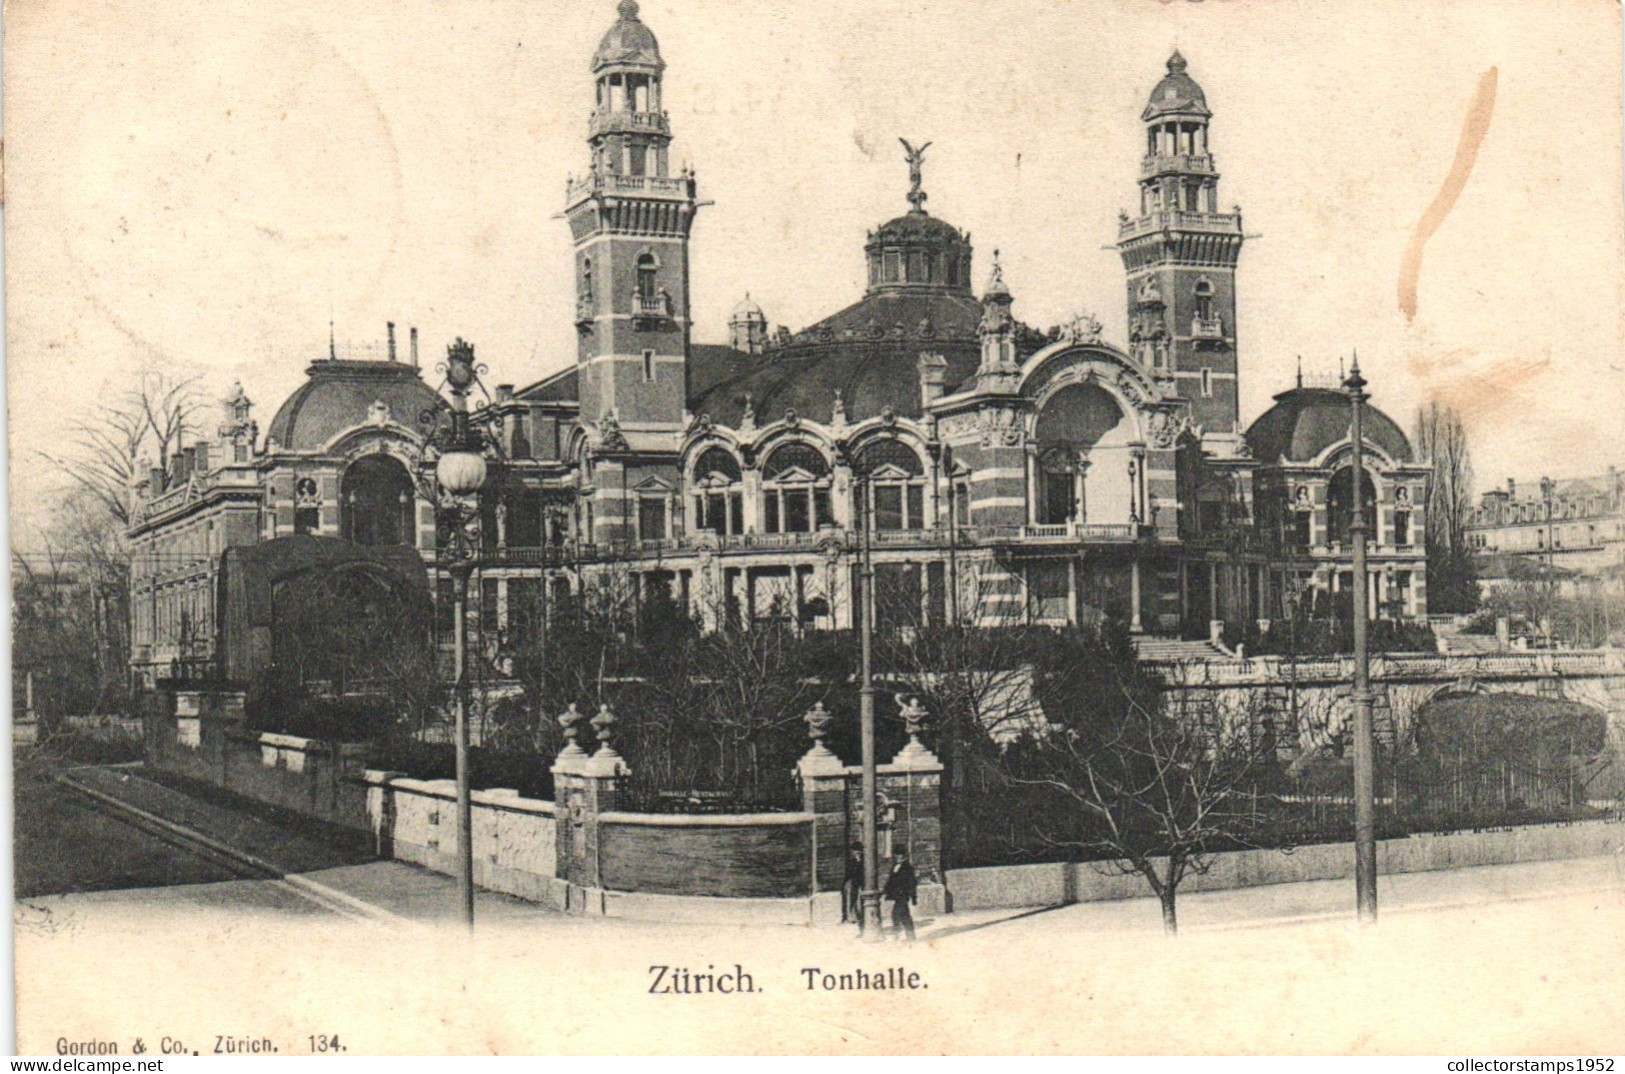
1032,486
1134,625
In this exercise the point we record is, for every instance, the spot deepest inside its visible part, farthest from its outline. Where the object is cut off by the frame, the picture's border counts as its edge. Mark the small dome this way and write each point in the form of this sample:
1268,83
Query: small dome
628,43
1306,421
1176,93
342,395
747,310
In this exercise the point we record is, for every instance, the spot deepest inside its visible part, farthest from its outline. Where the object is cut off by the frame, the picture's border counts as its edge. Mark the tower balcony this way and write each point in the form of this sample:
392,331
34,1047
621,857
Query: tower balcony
1177,164
655,305
604,121
629,186
1179,220
1207,328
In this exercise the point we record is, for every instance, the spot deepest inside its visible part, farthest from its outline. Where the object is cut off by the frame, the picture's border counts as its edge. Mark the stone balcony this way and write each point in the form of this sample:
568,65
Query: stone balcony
1207,328
1180,220
1177,163
602,121
610,184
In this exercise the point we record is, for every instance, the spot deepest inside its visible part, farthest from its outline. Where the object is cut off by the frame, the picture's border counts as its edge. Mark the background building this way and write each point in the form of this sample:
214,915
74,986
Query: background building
1574,525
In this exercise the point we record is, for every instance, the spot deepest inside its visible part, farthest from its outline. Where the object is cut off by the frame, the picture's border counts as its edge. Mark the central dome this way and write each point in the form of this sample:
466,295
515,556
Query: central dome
916,250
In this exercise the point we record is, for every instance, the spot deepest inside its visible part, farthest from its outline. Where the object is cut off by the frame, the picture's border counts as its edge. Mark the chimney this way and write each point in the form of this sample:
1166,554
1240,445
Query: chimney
188,459
391,325
414,336
933,378
1512,489
200,458
155,480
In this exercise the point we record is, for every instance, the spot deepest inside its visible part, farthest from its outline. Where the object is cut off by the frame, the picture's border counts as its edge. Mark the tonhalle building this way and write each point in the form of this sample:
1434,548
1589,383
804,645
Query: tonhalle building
1011,474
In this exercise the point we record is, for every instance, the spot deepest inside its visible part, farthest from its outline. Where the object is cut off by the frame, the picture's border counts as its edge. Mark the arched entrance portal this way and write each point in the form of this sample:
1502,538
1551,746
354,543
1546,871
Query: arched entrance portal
376,498
1085,458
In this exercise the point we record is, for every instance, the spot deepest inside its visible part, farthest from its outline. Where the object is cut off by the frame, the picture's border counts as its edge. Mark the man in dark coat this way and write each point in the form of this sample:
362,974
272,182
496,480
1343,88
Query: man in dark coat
903,890
852,885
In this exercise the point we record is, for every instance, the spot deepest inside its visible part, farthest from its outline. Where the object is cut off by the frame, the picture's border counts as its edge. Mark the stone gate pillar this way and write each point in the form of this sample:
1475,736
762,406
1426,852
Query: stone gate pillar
911,791
584,786
823,794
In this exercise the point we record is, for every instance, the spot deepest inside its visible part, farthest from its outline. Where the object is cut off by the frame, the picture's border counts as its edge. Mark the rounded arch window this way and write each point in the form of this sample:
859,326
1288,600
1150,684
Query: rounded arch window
376,497
1204,298
1340,503
892,491
795,490
718,503
648,266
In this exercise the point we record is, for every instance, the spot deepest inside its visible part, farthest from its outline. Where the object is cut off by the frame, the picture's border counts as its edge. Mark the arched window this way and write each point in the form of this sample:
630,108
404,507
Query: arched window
646,278
586,279
1058,472
894,486
718,503
795,490
1340,504
377,498
1204,299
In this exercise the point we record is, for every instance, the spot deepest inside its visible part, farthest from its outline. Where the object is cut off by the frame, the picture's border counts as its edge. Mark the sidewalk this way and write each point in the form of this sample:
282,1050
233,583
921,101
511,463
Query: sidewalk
1311,902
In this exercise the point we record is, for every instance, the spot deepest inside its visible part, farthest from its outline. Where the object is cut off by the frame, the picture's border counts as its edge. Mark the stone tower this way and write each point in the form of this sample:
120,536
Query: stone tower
630,220
1180,253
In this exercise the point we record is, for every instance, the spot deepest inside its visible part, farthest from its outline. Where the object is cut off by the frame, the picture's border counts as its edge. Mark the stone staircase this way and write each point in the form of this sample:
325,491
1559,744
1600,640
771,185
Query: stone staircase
1462,644
1174,650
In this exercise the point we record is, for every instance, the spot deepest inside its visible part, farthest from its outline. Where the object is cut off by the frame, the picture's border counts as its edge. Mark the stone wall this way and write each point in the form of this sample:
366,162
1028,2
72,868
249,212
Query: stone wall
416,821
1060,883
205,741
584,854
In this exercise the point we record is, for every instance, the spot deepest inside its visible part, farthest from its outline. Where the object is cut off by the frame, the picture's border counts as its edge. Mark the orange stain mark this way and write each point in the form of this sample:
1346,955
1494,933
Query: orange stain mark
1472,136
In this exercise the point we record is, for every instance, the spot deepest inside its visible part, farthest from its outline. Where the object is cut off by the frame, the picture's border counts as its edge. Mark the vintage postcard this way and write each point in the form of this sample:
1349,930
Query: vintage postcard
879,526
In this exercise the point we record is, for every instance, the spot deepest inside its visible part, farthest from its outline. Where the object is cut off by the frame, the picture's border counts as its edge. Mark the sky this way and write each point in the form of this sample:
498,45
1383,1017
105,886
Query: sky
200,187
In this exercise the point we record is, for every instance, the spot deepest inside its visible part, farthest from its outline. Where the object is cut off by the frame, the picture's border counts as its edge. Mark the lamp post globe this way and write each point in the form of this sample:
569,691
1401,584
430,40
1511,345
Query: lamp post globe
460,473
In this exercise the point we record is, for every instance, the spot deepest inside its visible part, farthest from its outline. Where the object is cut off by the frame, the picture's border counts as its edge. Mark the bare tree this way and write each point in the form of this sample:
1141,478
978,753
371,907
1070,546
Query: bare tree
1441,441
71,610
152,419
1141,786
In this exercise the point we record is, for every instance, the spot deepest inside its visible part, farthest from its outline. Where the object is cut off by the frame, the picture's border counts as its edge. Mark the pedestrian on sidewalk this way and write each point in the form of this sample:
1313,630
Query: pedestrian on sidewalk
903,890
852,885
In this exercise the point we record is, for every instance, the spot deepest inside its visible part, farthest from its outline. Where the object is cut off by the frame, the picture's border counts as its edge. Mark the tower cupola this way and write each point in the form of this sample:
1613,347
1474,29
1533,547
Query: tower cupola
629,132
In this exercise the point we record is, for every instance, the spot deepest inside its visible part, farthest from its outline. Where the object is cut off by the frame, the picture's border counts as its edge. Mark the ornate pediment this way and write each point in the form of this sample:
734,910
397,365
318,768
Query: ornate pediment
795,475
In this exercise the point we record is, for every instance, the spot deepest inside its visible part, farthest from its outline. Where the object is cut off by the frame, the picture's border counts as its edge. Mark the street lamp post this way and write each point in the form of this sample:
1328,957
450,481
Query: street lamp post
460,472
1365,826
869,900
1547,488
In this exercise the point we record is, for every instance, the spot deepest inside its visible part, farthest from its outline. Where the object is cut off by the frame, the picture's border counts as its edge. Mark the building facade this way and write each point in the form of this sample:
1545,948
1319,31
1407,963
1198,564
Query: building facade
1575,525
1006,473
